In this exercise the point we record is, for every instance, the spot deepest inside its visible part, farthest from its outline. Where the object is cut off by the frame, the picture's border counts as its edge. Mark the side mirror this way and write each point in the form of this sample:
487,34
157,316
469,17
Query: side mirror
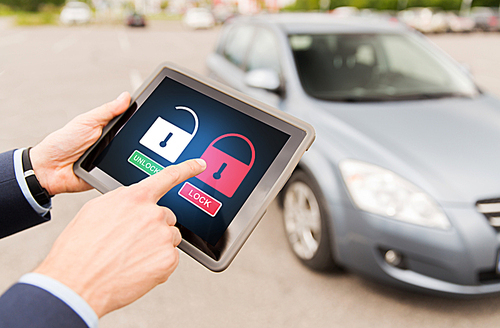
263,78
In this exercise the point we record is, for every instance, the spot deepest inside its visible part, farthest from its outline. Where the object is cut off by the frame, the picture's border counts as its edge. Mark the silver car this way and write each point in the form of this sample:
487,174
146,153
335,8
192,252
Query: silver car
403,181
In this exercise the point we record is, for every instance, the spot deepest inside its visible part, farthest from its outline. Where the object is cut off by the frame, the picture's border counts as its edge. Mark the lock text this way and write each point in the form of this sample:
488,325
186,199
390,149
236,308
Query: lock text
200,199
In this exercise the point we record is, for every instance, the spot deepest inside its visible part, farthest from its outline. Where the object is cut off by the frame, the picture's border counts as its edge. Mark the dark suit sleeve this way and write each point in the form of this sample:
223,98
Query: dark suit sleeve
24,306
16,214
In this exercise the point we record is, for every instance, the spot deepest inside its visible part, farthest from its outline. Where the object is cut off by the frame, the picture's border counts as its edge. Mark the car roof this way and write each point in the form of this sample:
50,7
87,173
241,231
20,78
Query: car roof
316,23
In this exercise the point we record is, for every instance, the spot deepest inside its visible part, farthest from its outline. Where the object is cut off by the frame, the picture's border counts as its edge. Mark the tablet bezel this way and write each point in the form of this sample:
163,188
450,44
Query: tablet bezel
217,258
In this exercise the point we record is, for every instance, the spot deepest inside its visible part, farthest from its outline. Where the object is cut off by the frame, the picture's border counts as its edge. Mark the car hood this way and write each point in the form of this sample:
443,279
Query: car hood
449,147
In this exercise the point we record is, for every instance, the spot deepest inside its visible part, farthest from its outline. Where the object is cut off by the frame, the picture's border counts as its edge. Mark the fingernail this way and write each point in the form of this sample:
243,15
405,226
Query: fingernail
202,163
122,96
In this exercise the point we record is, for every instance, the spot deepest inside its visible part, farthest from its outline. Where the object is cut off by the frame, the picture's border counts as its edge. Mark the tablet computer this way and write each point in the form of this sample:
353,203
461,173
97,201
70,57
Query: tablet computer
250,149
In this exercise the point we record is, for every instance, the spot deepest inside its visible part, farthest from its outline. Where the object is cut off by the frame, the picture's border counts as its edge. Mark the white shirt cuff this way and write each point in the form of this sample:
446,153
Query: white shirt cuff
65,294
18,170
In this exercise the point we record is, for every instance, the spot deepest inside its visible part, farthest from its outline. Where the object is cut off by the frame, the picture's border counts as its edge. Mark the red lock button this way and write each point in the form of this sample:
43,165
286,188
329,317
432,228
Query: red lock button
200,199
225,173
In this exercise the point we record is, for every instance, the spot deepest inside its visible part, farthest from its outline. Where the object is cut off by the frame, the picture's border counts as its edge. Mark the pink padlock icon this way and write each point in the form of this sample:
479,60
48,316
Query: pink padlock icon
225,173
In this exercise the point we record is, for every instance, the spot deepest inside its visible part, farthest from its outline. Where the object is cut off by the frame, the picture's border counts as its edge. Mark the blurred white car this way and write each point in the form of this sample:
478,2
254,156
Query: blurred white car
75,12
198,18
425,20
458,23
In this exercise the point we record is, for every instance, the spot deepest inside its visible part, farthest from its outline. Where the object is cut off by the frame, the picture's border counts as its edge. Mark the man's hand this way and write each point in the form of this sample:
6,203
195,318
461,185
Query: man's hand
120,245
54,157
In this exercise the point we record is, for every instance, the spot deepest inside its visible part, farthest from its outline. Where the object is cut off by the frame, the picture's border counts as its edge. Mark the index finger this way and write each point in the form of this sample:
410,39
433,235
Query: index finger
160,183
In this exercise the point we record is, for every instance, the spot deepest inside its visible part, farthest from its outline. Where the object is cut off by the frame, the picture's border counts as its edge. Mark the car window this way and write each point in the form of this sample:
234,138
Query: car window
237,43
400,52
264,52
374,67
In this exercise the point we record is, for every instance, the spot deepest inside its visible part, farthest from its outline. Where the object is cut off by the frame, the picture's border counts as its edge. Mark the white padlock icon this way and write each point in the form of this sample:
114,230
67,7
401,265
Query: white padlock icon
167,139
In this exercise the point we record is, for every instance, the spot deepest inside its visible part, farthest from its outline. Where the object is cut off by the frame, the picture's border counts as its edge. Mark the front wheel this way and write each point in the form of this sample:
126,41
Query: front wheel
305,218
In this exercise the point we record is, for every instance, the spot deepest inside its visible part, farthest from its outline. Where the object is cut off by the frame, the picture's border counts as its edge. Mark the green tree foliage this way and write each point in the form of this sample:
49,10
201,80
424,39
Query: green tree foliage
444,4
30,5
303,5
486,3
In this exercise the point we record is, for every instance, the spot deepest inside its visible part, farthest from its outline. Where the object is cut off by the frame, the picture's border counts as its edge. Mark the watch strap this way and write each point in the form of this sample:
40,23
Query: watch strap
39,193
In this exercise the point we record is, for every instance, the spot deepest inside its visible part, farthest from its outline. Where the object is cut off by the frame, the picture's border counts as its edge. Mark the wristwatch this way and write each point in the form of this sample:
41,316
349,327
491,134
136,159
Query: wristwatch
39,193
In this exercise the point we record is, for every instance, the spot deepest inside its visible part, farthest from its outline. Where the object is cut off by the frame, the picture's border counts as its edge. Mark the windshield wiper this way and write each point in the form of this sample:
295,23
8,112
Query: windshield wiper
358,98
433,95
417,96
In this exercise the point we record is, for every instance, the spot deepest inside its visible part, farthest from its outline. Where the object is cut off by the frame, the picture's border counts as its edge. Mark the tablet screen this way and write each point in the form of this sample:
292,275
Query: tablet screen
176,123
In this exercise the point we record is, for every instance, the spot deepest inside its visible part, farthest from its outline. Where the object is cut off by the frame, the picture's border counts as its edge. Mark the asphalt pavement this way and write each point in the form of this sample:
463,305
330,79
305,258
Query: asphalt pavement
48,75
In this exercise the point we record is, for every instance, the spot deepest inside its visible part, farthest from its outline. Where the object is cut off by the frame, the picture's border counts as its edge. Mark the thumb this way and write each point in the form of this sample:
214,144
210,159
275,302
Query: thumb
105,113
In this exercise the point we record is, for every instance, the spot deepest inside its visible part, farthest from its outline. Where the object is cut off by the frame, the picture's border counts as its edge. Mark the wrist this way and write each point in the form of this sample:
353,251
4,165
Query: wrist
80,286
39,164
68,296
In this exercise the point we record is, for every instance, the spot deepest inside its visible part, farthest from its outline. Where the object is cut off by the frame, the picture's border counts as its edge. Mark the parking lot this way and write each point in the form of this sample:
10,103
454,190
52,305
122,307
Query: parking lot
50,74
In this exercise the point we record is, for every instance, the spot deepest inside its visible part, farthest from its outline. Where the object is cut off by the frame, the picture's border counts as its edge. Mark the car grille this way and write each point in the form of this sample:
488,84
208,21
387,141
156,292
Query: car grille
491,209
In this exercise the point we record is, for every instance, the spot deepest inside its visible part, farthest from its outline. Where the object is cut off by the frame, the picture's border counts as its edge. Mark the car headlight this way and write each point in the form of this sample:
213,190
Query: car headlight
380,191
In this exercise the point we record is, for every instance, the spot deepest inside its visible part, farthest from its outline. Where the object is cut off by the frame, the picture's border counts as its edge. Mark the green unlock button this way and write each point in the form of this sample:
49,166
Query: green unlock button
144,163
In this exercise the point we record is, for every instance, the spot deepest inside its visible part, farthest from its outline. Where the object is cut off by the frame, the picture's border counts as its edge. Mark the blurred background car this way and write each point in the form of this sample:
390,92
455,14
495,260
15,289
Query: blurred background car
485,19
198,18
345,11
425,20
402,183
75,12
135,19
222,12
459,24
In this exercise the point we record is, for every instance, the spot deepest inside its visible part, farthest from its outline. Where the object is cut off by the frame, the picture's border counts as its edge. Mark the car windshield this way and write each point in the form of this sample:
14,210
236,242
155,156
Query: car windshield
376,67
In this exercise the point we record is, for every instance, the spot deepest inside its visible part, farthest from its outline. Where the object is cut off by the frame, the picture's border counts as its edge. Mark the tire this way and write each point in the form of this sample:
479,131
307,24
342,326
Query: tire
305,218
